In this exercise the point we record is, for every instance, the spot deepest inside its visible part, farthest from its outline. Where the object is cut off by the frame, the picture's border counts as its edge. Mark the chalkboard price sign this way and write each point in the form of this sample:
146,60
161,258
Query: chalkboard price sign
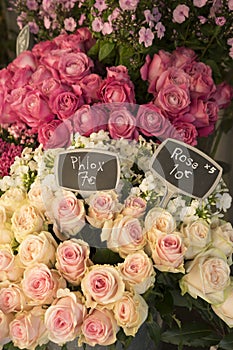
185,169
87,170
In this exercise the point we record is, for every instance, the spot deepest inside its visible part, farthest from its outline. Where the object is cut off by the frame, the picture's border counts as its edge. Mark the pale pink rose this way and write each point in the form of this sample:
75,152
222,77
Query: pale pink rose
128,5
25,220
118,72
12,299
67,213
114,90
122,124
102,285
160,219
40,284
64,318
35,196
65,103
3,216
99,328
90,85
199,3
168,253
74,66
38,249
102,206
224,310
151,121
180,13
35,109
187,131
134,206
131,312
207,276
25,59
27,330
7,235
4,326
173,100
87,120
123,235
55,134
223,95
12,199
72,260
222,237
9,265
138,272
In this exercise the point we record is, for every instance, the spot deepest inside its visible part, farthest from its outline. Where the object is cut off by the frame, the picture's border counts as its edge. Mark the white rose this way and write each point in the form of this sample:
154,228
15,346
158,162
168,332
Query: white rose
222,237
160,219
225,310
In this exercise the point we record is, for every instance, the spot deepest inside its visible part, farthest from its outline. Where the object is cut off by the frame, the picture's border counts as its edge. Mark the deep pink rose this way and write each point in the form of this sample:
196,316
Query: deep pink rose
42,74
198,67
182,57
52,58
89,119
5,78
43,48
46,130
202,86
173,100
34,109
205,113
9,105
55,134
74,66
21,77
25,59
119,72
151,122
81,41
65,104
223,95
51,86
90,85
174,76
113,90
122,124
187,131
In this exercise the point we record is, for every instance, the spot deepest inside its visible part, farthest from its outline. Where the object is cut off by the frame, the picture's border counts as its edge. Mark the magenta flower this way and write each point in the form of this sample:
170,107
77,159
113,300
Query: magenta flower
47,22
180,13
230,41
97,25
230,5
160,30
220,21
199,3
149,18
100,5
107,28
32,5
34,29
70,24
81,19
202,19
128,5
146,36
157,15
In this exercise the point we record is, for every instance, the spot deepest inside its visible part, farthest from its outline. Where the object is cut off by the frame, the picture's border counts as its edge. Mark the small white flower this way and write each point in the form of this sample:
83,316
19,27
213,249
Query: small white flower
224,201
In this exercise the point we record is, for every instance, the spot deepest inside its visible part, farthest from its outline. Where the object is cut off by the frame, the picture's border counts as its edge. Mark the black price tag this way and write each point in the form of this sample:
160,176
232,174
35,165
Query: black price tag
185,169
87,170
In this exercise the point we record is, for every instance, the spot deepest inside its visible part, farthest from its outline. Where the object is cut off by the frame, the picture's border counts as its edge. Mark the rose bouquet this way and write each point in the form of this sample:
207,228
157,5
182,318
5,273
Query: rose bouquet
94,268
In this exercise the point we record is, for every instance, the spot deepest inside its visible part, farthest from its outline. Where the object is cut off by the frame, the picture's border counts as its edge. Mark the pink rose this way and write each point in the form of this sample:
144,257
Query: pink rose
42,74
202,86
175,76
151,121
11,104
114,90
102,206
134,206
5,78
35,109
67,213
199,111
46,130
182,57
85,36
122,124
9,265
4,326
72,260
102,285
87,120
40,284
118,72
12,299
43,48
99,328
81,40
173,100
223,95
74,66
51,86
55,134
187,131
90,85
21,77
123,235
27,330
65,103
25,59
64,318
168,253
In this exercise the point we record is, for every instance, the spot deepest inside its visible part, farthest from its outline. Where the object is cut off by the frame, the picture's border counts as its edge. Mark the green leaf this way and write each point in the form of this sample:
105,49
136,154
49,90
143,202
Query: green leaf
125,53
165,306
227,342
106,256
106,49
94,50
154,330
123,339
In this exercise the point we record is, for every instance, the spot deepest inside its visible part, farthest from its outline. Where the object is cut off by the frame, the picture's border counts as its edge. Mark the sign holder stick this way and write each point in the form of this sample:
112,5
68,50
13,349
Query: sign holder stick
166,198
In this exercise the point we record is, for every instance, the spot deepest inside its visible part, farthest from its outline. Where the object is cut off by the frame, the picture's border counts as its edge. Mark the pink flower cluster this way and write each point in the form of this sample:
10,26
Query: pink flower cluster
184,92
8,152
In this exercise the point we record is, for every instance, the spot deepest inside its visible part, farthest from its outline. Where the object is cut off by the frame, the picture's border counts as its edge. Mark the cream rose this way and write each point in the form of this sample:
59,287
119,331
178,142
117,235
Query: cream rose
35,196
134,206
224,310
207,277
159,219
222,237
9,265
73,259
7,235
168,253
196,237
40,284
64,318
27,330
102,206
3,216
130,312
38,249
102,285
67,214
4,327
12,199
123,235
12,299
27,219
138,272
99,328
